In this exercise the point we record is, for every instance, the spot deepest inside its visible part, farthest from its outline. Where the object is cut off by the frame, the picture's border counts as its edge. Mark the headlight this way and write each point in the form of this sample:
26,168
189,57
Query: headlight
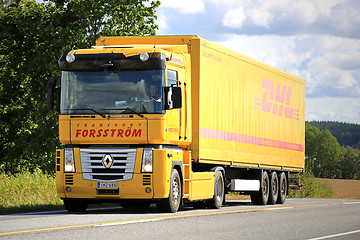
147,161
69,160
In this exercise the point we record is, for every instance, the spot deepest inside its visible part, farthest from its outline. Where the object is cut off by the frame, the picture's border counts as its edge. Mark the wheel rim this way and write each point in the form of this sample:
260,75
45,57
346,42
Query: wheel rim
265,188
282,187
175,191
219,189
274,187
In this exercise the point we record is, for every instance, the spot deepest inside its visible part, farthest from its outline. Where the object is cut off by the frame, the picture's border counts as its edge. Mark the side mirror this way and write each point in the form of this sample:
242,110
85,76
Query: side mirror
172,98
176,97
51,90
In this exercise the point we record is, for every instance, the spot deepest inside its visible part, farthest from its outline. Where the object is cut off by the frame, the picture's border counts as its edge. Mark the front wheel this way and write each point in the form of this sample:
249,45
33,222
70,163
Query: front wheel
172,203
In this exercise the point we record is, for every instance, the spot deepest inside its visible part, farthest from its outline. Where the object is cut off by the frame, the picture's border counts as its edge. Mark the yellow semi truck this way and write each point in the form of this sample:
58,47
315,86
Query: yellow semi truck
173,120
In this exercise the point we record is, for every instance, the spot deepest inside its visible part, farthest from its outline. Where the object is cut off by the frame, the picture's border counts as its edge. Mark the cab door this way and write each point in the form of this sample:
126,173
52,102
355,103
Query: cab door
173,116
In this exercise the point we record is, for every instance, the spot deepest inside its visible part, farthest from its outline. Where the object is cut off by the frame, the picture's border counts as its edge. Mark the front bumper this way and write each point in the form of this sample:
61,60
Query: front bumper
154,185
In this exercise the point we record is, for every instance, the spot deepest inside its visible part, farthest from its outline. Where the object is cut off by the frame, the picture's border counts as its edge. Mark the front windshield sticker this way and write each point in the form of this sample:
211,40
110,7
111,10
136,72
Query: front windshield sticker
135,92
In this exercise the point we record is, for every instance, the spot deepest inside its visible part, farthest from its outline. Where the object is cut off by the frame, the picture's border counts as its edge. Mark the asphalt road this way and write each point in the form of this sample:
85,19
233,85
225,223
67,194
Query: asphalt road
296,219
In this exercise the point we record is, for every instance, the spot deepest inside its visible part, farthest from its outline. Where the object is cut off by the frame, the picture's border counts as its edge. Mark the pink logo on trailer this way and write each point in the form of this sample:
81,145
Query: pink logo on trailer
276,100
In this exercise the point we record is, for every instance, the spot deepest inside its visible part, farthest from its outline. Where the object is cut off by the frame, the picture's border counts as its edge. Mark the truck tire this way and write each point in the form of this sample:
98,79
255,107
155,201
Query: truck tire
218,198
282,188
75,205
261,197
172,203
274,188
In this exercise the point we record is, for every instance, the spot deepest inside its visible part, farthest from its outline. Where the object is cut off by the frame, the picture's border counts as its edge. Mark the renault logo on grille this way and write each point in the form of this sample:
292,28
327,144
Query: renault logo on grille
107,161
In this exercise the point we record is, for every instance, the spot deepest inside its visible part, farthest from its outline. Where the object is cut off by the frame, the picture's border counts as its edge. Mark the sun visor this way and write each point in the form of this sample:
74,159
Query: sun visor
113,62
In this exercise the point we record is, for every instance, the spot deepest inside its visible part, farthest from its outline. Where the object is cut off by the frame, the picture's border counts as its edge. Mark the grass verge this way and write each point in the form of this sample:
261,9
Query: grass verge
311,188
236,196
28,191
344,189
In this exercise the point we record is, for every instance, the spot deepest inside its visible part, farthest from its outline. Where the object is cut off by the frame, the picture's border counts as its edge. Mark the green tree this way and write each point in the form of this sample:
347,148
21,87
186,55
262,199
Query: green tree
329,155
311,148
83,21
322,152
34,35
350,163
347,134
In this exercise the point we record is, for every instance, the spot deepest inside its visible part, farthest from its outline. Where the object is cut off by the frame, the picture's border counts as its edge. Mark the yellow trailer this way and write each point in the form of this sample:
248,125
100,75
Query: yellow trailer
175,119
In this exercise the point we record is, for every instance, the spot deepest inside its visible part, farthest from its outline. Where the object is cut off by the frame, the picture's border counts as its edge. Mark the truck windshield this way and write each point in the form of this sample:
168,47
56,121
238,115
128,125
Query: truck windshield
107,92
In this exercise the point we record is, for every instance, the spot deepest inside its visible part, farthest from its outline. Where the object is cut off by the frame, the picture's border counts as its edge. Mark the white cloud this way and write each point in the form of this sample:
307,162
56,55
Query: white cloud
261,16
231,3
334,65
234,18
292,17
346,80
277,51
335,109
162,23
185,6
347,18
305,10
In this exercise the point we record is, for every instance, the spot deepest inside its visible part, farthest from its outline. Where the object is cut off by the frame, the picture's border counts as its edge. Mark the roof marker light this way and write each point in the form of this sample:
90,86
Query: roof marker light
144,56
70,58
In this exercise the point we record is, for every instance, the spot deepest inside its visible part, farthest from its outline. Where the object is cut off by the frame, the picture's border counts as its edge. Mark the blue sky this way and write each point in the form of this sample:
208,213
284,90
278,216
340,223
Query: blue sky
318,40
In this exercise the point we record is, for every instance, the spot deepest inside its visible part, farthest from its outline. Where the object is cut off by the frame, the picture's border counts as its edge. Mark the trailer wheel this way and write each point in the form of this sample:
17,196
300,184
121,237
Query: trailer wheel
75,205
172,203
274,188
261,197
218,198
282,188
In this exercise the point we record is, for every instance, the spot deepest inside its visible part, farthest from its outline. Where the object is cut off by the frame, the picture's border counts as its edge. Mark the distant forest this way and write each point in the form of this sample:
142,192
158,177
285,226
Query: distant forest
347,134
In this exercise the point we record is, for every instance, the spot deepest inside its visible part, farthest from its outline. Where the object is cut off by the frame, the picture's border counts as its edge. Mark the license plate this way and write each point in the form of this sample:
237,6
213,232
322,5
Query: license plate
107,185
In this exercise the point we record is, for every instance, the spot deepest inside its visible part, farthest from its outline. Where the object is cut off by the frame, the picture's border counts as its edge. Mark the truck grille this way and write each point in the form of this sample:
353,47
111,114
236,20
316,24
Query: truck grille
108,164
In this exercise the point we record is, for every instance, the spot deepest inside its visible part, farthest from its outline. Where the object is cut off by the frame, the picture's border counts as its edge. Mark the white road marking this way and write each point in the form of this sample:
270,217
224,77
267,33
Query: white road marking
335,235
127,222
277,208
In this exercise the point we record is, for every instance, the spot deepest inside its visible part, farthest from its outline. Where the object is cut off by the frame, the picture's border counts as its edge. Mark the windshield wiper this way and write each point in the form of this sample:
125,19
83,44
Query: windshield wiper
126,109
84,109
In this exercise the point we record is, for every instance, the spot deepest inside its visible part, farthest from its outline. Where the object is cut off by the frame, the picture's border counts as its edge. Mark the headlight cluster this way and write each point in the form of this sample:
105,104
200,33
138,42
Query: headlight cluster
69,160
147,161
